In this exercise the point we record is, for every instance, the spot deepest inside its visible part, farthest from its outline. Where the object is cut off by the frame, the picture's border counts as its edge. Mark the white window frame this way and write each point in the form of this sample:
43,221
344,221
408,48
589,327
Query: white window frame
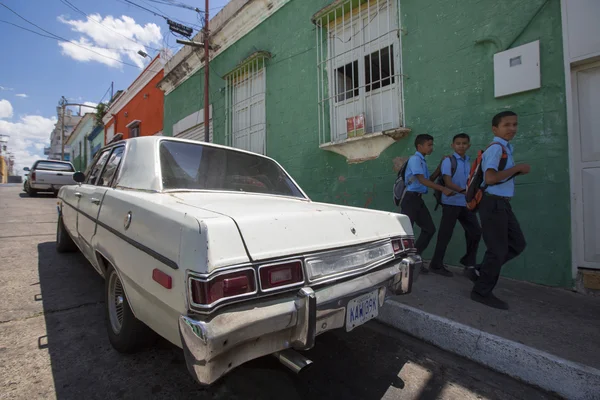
246,112
369,28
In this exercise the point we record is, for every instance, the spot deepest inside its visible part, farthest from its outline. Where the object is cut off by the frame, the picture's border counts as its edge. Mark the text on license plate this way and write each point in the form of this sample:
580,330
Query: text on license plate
361,310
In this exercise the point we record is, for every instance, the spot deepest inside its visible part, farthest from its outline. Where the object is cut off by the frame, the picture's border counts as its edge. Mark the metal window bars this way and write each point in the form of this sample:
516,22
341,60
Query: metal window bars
245,123
358,69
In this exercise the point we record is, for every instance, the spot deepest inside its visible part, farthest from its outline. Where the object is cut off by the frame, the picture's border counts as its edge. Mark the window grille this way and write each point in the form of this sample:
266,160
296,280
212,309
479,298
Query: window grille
245,89
358,69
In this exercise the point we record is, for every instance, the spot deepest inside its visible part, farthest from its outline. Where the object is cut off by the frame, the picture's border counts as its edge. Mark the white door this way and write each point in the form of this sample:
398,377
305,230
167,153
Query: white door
249,118
586,106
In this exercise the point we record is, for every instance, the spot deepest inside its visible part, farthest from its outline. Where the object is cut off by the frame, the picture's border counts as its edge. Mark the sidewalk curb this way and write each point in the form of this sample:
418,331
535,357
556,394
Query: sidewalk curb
551,373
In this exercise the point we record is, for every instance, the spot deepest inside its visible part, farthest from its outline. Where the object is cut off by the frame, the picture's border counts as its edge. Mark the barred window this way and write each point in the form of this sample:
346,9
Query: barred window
358,63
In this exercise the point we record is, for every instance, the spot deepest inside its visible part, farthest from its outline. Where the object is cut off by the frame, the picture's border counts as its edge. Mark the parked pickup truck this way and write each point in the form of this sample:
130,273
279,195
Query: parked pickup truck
219,251
48,176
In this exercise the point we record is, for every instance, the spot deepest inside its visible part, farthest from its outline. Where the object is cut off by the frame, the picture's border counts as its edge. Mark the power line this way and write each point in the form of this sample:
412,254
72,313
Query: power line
75,8
176,4
146,9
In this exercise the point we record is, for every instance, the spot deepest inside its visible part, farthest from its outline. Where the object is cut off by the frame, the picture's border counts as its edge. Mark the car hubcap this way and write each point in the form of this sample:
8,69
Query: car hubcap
115,302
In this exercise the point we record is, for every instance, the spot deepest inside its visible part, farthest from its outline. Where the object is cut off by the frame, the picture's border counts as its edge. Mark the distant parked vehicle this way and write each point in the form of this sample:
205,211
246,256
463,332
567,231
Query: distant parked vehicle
48,176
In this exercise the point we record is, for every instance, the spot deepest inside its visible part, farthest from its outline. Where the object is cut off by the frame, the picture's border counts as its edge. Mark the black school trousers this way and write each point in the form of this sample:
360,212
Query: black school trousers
414,208
469,222
503,238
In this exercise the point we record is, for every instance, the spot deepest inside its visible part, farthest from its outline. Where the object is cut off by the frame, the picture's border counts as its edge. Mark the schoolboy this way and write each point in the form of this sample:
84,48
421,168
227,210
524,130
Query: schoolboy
501,231
455,208
417,182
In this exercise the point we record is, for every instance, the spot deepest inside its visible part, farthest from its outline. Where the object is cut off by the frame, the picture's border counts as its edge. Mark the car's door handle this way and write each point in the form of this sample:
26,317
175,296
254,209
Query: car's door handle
59,174
77,194
95,201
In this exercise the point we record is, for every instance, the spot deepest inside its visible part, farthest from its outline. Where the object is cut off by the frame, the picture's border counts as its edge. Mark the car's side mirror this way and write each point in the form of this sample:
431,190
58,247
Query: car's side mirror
26,169
79,177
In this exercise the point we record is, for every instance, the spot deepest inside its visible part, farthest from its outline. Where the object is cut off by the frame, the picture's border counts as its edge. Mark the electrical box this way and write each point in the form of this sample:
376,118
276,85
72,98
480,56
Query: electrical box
517,70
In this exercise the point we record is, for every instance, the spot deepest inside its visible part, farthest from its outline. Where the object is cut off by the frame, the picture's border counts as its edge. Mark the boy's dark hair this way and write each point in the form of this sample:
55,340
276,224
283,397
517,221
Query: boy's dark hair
422,138
461,135
498,117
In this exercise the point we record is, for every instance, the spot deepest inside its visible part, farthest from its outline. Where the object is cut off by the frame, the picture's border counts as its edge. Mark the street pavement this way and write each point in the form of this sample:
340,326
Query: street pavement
53,342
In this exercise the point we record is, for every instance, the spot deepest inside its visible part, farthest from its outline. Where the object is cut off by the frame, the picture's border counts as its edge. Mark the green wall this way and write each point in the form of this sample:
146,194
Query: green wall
448,88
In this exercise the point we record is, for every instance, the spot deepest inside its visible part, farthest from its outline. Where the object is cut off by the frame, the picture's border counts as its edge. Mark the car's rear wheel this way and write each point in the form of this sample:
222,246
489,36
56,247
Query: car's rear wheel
64,242
31,192
126,333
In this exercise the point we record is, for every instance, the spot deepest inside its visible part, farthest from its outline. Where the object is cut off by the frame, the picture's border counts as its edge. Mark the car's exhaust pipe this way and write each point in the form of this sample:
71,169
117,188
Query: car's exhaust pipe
293,360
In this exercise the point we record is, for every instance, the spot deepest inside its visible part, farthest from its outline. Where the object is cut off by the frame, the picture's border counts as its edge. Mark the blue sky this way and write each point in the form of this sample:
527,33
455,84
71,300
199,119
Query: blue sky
36,71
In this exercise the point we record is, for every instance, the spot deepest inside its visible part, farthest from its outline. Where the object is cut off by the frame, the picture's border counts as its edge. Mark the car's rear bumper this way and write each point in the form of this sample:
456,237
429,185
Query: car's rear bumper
214,346
46,186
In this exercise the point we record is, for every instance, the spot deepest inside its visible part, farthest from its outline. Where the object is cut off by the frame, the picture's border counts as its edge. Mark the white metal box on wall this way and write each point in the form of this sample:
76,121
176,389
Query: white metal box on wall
517,70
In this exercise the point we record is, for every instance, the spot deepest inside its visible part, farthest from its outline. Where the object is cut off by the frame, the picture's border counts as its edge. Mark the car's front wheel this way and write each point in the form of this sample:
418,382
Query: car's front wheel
126,333
64,242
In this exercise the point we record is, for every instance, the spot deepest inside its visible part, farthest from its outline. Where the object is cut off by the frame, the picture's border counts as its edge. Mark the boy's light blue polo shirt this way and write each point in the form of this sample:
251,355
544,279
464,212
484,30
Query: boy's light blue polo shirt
460,177
491,159
416,166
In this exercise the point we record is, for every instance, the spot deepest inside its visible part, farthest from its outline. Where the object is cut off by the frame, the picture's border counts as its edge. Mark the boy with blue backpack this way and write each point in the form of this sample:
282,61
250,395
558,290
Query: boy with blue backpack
455,171
412,183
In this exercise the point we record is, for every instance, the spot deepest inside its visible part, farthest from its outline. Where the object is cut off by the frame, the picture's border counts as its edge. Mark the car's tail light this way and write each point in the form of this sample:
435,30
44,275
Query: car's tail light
279,275
400,245
222,287
397,246
32,176
408,243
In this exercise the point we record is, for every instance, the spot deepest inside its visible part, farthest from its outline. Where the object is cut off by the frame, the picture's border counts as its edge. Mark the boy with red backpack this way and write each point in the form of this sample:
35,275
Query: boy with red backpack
501,231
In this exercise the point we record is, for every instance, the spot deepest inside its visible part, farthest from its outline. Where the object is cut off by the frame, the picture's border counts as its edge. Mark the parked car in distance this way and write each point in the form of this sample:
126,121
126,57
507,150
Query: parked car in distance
48,176
219,251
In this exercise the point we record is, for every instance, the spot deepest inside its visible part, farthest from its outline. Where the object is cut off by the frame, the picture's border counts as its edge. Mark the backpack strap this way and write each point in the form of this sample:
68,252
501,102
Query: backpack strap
453,164
501,163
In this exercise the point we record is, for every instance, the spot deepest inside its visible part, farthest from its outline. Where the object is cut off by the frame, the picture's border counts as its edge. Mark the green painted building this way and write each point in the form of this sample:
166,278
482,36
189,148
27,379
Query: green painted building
336,91
79,144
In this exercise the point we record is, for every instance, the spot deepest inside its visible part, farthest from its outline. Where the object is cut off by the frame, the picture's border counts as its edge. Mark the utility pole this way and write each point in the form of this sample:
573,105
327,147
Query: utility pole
206,69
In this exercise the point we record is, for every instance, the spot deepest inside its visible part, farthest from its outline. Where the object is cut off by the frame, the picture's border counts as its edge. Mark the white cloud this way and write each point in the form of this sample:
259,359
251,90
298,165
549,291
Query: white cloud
23,95
5,88
112,37
28,137
90,109
6,109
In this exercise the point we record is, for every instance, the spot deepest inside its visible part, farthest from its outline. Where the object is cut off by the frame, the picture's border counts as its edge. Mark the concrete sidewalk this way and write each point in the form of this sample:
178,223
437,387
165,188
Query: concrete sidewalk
548,338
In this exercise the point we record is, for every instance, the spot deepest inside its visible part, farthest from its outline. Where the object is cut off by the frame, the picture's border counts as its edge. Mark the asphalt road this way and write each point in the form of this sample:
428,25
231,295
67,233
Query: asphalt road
53,341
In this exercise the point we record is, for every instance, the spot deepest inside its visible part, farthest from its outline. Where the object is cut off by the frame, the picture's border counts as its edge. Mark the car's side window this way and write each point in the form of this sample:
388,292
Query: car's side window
111,167
97,168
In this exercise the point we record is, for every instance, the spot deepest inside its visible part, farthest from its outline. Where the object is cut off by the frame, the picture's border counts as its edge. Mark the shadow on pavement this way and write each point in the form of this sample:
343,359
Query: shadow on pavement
41,195
363,364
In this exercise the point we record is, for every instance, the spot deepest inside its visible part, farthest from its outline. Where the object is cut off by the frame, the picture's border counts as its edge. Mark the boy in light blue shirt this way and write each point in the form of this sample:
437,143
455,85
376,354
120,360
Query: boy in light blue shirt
455,208
501,231
417,178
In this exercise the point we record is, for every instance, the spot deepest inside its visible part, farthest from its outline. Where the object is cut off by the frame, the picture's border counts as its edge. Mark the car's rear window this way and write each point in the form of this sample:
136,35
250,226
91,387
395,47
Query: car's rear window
54,166
195,166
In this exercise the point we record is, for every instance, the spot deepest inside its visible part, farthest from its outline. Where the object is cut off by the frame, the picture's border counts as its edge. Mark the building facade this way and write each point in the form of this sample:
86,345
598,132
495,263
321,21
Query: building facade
79,144
66,123
96,141
139,110
336,91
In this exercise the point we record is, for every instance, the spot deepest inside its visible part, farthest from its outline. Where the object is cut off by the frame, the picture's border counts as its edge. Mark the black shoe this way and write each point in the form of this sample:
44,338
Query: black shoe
490,301
442,271
472,273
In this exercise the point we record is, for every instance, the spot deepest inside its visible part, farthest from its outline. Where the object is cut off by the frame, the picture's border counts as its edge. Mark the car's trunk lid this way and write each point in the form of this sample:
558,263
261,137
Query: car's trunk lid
273,226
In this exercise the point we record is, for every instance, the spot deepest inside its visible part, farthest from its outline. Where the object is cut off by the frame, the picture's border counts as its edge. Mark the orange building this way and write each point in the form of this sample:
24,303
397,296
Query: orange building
139,110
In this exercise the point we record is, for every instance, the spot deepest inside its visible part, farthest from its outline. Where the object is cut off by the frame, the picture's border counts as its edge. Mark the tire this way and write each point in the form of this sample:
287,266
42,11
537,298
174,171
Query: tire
126,333
31,192
64,242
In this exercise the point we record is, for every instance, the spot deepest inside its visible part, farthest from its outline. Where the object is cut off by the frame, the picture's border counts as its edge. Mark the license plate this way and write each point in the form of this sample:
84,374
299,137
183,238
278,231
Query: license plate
361,310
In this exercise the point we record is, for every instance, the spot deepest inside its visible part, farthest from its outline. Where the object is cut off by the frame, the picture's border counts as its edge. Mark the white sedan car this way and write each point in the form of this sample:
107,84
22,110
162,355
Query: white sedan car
219,251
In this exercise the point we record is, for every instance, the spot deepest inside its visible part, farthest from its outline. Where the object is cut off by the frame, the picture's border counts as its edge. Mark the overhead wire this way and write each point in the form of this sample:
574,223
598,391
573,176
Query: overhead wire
75,8
54,36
